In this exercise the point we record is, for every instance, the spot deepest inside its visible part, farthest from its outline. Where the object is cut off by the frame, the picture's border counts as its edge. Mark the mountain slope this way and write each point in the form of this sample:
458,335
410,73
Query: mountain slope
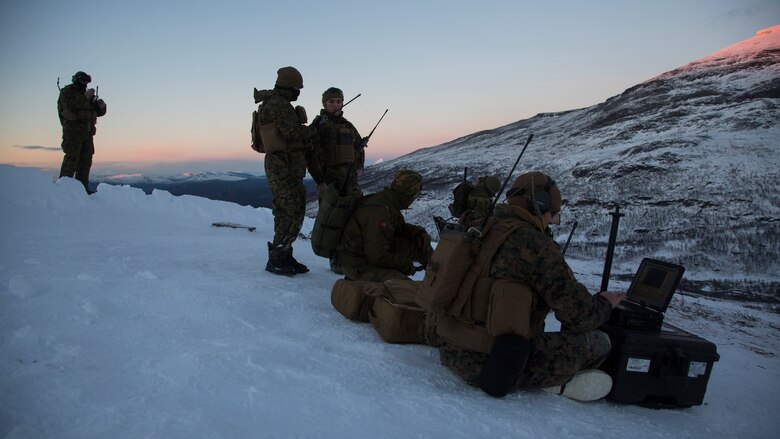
690,156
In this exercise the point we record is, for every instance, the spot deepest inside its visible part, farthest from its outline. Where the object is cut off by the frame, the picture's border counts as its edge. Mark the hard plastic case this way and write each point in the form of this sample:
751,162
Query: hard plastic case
658,368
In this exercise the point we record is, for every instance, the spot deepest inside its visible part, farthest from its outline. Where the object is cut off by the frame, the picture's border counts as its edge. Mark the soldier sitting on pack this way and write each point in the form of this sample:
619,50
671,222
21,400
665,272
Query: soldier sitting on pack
558,362
377,243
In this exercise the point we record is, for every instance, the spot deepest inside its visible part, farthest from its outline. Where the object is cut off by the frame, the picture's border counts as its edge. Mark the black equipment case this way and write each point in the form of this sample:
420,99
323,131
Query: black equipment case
658,368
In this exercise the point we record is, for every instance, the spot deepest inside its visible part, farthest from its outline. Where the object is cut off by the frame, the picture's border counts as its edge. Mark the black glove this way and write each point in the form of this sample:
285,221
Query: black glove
504,364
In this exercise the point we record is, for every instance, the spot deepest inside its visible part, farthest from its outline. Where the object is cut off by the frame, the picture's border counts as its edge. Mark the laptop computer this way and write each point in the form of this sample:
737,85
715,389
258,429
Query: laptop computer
648,296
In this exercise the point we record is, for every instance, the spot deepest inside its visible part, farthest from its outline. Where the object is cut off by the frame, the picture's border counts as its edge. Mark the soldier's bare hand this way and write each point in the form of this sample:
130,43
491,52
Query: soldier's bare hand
90,93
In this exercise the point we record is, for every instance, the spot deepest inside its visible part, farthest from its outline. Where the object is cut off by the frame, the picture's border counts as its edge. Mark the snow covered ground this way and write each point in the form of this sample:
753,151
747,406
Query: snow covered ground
124,315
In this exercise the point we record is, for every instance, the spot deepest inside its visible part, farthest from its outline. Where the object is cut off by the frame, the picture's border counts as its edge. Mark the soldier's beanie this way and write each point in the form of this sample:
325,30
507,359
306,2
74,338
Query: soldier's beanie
330,93
493,184
521,190
289,77
407,183
81,77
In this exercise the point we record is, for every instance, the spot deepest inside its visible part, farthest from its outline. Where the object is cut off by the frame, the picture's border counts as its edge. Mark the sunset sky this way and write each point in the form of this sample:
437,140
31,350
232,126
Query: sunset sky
178,75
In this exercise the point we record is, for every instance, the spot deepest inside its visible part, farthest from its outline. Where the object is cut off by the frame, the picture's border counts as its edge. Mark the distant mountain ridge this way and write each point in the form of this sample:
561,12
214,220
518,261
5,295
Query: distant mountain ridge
236,187
690,156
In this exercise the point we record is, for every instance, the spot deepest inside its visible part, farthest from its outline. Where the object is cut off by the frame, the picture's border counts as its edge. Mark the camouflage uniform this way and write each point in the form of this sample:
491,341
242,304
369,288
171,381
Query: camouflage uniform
285,170
78,115
531,257
377,243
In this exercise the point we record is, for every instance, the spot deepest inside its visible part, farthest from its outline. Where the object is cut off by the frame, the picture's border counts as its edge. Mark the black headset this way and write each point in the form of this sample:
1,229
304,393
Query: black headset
542,197
540,200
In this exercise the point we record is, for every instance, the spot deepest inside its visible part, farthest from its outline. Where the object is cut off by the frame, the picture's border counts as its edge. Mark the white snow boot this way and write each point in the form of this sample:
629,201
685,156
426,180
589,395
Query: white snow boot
587,385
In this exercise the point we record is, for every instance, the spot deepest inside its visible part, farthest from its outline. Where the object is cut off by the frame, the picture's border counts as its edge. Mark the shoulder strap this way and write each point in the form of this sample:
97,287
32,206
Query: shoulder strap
496,234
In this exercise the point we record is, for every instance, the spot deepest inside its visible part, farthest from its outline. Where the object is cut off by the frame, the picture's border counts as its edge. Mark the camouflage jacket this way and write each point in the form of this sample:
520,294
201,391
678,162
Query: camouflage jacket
76,109
531,257
371,235
277,108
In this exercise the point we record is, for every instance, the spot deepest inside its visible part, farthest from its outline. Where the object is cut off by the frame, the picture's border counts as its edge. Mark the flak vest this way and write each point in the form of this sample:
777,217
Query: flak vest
343,150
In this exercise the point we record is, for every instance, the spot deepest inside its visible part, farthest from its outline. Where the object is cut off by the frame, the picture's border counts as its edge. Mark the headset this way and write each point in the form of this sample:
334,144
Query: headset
540,199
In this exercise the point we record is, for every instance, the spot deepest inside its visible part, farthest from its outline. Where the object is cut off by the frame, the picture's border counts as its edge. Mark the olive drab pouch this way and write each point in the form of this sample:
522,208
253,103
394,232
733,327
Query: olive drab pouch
257,139
395,315
510,308
354,299
332,216
271,138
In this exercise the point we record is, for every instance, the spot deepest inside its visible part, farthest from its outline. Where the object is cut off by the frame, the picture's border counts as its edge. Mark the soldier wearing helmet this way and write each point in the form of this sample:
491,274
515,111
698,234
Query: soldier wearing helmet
285,163
560,362
78,109
377,243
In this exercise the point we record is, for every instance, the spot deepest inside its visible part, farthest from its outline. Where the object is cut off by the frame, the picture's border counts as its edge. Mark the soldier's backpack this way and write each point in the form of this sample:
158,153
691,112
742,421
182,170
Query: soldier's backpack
354,299
460,196
396,316
471,308
257,139
390,307
266,138
332,216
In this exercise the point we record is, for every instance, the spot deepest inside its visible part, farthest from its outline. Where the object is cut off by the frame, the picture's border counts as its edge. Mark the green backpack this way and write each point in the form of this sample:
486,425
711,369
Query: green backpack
332,216
460,197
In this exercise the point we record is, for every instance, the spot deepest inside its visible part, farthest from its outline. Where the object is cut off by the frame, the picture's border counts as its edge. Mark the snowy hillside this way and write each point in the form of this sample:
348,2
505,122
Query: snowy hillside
124,315
691,157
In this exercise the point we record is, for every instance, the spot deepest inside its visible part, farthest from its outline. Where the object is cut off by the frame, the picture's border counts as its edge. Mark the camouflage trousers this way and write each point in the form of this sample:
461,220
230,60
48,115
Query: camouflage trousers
337,175
554,359
285,172
78,148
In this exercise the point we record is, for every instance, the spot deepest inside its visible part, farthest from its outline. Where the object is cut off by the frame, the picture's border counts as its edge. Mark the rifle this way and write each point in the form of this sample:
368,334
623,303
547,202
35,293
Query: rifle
58,84
503,186
364,142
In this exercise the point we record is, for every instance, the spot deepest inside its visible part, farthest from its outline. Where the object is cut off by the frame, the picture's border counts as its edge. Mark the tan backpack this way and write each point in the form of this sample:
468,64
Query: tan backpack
390,307
470,307
395,315
354,299
266,138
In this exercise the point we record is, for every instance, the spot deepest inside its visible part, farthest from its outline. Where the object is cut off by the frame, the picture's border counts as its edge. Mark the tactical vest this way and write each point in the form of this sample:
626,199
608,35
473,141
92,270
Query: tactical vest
481,307
340,148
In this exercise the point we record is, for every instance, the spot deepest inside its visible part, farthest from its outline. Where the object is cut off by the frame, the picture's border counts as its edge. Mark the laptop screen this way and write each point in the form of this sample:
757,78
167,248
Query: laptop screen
655,283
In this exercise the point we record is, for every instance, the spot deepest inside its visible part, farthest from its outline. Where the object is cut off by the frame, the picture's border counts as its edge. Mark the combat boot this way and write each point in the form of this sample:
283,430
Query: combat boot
587,385
296,266
278,263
